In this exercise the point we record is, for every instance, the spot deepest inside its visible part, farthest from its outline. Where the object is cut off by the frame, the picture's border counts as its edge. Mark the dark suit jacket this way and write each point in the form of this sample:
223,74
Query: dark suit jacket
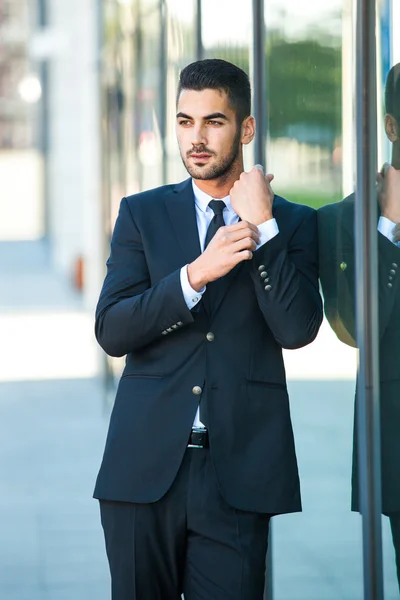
142,313
337,273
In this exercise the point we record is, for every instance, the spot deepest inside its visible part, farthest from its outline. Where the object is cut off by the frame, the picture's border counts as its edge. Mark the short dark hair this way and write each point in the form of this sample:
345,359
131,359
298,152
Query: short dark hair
392,92
217,74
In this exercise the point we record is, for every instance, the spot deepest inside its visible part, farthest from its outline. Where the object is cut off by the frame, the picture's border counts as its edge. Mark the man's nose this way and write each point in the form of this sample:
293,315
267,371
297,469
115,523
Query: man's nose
198,136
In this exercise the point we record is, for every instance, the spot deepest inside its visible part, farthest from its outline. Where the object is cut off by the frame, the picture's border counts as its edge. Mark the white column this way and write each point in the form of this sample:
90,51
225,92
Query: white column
74,153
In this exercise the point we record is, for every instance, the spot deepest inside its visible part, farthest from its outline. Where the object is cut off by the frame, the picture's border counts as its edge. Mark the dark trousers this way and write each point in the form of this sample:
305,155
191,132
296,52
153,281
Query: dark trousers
191,541
395,526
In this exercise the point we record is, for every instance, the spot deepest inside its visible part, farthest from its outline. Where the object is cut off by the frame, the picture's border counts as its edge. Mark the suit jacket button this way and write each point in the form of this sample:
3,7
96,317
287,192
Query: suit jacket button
390,285
392,272
261,268
197,390
264,274
394,265
210,336
268,288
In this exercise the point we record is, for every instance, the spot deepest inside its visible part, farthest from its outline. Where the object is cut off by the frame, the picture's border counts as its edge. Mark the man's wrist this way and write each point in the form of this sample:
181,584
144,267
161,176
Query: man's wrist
266,216
391,216
261,217
196,276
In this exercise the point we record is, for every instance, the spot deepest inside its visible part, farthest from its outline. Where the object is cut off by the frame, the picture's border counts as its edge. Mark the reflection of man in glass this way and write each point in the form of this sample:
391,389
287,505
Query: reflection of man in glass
337,272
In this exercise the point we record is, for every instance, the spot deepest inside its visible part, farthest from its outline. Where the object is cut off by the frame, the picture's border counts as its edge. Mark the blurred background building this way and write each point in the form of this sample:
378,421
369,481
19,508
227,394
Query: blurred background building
87,102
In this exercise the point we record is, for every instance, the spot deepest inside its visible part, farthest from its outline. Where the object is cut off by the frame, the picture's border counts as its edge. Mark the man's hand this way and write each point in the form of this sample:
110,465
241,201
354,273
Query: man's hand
231,245
389,193
252,196
396,234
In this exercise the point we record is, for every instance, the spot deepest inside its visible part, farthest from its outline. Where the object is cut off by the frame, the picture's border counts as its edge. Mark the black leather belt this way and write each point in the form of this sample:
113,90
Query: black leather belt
198,438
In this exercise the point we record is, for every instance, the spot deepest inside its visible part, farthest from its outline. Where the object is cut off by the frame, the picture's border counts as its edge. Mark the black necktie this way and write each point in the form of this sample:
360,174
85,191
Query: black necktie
217,206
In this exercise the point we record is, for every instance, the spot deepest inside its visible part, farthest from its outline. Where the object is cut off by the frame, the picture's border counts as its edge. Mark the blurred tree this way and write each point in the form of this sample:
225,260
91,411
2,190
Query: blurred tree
304,89
304,86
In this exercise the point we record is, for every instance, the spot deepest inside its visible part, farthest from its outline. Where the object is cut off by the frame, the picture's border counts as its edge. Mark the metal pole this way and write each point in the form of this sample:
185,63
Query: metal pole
163,87
259,82
368,423
260,115
199,32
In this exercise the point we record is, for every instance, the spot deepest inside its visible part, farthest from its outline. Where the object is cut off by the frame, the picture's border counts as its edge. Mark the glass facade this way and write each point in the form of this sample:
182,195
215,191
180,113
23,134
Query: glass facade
312,144
20,112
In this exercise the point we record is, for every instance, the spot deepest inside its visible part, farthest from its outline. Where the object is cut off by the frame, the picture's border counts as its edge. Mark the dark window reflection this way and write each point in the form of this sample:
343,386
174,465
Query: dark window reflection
337,272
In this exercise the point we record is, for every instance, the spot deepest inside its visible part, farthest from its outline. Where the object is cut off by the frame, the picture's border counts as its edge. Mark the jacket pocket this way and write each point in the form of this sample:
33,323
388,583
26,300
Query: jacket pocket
143,376
272,385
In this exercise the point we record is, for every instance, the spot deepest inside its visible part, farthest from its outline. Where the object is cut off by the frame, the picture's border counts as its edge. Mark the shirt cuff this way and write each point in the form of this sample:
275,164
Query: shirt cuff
190,295
385,227
268,230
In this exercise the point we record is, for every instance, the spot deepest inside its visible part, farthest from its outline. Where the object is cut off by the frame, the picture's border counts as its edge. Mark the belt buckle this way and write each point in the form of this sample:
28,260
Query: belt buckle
197,430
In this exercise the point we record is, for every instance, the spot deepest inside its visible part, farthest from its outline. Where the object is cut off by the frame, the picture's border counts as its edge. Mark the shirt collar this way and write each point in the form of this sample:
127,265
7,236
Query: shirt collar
202,199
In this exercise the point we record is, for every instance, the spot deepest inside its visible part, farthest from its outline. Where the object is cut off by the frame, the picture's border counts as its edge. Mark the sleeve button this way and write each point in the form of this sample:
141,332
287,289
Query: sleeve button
268,288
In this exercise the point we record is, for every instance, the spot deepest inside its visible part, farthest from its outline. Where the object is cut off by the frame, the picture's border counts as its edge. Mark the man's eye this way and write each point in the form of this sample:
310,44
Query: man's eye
215,122
184,123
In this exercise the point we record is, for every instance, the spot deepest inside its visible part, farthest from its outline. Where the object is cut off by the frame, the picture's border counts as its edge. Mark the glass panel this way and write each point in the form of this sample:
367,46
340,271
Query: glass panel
232,42
309,72
141,64
181,51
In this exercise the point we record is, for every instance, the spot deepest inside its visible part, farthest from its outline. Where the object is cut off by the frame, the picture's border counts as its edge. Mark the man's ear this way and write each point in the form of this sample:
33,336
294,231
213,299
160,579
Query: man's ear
248,130
392,128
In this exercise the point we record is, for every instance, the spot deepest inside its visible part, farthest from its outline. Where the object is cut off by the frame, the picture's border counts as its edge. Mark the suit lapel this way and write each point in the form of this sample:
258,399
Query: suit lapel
181,209
182,213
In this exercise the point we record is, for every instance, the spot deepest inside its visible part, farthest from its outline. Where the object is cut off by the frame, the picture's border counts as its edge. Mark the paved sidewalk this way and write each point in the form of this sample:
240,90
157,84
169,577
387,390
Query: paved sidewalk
51,439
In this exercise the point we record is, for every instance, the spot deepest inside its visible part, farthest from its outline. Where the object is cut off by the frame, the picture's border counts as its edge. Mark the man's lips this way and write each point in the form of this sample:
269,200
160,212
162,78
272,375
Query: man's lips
200,155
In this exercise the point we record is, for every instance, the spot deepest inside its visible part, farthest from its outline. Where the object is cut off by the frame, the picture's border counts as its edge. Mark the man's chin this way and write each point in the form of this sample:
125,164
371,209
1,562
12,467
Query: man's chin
201,173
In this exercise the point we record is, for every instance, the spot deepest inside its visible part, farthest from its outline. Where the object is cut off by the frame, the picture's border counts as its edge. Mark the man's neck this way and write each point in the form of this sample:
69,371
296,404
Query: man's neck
221,187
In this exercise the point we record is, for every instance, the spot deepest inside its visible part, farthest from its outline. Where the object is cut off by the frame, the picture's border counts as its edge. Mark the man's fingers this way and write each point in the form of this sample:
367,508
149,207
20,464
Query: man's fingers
241,225
244,244
243,255
240,234
269,176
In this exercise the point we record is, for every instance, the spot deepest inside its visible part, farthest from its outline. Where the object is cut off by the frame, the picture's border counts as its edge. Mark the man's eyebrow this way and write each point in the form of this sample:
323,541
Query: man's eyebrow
216,115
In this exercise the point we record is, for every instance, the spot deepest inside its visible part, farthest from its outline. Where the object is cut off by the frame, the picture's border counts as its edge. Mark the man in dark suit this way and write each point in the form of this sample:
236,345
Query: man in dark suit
337,273
206,282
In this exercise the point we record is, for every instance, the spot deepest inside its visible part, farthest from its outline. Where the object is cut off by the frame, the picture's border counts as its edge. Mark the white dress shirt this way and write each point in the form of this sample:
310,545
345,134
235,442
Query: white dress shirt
385,227
204,215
